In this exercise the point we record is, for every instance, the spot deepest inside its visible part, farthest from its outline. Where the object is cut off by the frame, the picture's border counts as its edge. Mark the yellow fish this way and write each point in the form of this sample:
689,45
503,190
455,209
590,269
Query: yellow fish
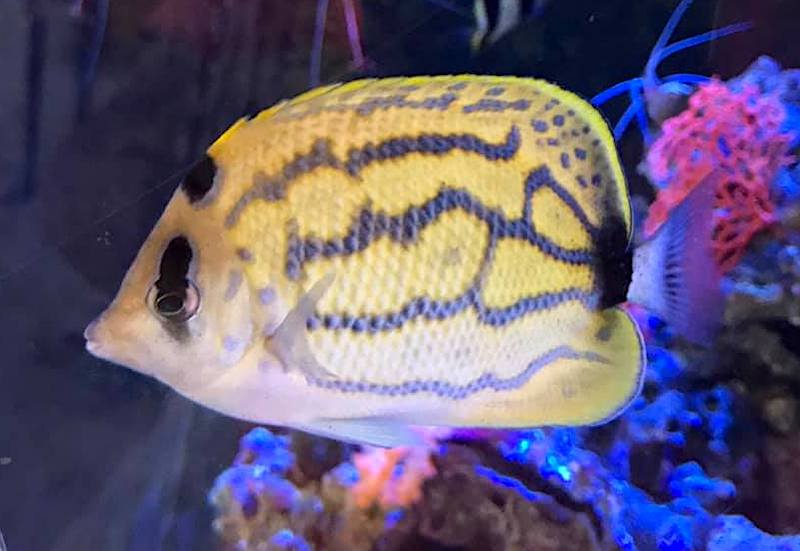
444,251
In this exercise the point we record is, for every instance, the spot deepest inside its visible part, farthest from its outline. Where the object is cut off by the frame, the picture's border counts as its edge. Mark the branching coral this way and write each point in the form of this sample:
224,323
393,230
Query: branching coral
391,477
275,493
737,136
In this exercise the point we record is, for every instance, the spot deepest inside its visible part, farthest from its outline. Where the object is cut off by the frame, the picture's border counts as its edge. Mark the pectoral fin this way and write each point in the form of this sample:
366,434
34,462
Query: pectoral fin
289,342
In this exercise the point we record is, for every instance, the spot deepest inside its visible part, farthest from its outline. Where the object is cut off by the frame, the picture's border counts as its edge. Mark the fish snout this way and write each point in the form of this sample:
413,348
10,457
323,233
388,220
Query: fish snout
90,330
91,335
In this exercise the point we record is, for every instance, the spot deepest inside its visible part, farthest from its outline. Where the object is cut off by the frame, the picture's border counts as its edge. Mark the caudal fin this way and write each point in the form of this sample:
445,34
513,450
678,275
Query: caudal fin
675,274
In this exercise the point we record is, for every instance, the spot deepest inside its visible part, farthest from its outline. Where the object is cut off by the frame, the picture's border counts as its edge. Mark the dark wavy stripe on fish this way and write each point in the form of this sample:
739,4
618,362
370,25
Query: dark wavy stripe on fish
444,389
496,106
274,188
432,144
423,307
405,227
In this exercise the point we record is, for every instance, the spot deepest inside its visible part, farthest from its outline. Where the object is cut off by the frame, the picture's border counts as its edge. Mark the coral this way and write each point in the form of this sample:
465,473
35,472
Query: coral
473,507
736,136
736,533
391,477
782,471
265,499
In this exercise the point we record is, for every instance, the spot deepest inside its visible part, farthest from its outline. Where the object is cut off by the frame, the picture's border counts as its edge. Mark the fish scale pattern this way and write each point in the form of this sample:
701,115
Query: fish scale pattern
465,219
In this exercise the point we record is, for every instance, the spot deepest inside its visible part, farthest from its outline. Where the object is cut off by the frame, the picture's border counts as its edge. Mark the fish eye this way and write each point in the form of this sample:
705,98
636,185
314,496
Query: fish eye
174,297
176,306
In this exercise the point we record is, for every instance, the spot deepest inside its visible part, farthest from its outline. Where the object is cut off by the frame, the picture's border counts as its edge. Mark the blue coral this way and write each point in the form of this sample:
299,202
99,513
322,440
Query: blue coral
286,540
736,533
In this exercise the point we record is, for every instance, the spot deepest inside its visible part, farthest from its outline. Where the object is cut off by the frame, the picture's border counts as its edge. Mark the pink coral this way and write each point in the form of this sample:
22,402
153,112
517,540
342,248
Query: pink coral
391,477
394,477
737,132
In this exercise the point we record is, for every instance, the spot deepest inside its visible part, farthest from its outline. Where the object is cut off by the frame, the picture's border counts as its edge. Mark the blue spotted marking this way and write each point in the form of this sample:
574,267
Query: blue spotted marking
235,278
369,105
580,154
551,104
558,120
497,105
267,295
540,125
400,101
495,91
244,254
444,389
565,162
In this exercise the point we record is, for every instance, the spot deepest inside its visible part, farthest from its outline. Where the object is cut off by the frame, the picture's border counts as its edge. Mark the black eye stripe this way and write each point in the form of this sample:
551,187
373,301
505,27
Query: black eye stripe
174,267
173,297
199,180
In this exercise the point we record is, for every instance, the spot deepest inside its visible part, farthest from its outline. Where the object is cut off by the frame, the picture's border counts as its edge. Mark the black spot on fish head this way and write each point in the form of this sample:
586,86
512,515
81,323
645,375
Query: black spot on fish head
174,297
200,182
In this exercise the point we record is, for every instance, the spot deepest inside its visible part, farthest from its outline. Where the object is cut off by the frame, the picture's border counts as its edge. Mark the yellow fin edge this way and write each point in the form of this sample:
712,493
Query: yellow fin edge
573,391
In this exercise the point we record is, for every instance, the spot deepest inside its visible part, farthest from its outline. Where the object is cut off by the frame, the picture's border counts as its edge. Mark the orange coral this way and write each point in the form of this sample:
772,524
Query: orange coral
394,477
391,477
736,132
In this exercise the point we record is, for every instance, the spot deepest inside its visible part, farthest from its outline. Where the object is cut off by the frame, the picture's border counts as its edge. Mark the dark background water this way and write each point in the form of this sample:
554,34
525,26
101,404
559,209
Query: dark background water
98,113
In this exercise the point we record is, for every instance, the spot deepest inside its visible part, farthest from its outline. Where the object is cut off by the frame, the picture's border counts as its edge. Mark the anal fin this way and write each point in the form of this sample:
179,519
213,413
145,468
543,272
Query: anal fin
374,431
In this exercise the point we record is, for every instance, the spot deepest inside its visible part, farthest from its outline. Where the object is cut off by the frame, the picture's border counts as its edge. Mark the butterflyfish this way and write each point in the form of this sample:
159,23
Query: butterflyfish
446,251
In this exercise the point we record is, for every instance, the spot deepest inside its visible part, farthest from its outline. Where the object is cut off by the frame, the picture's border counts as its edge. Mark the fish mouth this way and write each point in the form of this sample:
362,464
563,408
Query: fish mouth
90,330
93,343
90,334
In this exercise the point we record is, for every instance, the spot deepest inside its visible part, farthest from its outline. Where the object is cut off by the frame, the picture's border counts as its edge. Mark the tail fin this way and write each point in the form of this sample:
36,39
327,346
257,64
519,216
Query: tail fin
675,274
